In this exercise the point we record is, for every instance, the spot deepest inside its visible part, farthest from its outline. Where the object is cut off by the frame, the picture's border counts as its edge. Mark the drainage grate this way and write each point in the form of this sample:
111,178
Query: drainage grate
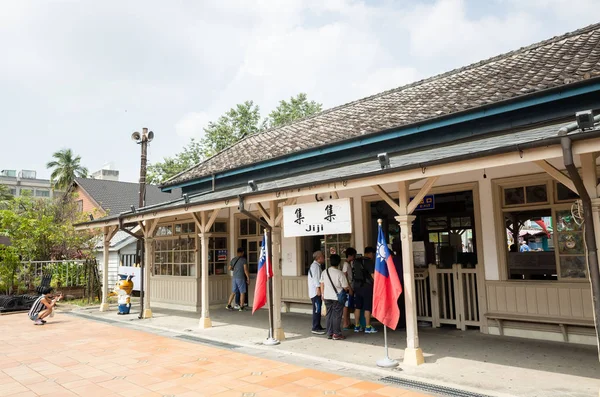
210,342
428,387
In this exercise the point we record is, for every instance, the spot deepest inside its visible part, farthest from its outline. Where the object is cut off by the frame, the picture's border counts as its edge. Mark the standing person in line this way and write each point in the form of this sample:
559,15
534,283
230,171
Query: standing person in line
347,270
43,306
364,269
333,281
314,291
241,277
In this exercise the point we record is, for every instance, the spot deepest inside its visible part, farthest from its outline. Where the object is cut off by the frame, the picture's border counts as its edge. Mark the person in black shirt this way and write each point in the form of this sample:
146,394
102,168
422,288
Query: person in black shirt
364,269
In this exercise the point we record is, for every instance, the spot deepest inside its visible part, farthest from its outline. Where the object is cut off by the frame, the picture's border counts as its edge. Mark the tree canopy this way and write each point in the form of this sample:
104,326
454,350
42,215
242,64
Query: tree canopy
238,122
297,108
65,168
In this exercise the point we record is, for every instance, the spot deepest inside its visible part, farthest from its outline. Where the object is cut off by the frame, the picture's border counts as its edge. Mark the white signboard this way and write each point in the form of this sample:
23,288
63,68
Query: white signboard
315,219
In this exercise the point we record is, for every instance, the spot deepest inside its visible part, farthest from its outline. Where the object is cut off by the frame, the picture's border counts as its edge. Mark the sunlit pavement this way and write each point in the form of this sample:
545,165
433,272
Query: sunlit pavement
72,356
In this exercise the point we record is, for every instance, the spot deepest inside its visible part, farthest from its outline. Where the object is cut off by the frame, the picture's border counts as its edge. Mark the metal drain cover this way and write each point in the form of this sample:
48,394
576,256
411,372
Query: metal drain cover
429,387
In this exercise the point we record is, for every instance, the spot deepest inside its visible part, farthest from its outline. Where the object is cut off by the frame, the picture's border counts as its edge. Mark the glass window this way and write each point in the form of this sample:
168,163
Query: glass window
536,194
164,230
42,193
571,247
563,193
530,245
176,256
514,196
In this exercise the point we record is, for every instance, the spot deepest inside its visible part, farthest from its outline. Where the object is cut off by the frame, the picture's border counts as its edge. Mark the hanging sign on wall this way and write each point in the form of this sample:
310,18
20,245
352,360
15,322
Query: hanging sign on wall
316,219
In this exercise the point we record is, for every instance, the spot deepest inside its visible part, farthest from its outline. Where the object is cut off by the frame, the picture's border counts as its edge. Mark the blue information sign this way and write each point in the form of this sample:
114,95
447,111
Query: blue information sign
428,203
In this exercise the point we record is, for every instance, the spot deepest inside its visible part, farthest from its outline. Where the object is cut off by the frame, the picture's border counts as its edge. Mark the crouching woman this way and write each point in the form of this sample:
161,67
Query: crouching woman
43,306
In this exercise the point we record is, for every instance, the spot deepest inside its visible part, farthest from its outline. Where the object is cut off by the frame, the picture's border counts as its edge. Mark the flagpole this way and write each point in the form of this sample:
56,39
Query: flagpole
270,341
386,362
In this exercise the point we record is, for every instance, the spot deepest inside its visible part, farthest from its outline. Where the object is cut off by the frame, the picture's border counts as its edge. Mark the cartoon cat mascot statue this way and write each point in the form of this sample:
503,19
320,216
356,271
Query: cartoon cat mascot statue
123,290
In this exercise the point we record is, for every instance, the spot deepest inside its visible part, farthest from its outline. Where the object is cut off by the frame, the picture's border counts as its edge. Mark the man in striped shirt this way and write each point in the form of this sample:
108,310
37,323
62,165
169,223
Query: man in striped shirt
43,306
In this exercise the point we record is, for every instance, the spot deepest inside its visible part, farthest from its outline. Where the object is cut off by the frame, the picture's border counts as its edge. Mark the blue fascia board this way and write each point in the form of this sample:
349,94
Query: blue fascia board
400,132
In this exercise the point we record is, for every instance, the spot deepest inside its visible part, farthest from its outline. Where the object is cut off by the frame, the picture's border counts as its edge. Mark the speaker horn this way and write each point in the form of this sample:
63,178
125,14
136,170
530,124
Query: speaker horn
136,136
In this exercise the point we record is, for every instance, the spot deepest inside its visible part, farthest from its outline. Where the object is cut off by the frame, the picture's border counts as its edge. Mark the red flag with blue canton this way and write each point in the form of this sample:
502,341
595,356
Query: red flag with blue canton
387,288
264,271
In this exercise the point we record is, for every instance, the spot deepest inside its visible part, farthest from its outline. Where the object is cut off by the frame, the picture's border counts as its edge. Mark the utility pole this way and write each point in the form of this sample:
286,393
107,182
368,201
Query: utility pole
142,139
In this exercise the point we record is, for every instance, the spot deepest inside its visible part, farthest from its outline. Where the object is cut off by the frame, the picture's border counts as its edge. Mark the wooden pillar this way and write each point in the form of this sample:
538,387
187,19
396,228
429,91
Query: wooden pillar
413,355
148,266
590,180
205,315
277,281
106,247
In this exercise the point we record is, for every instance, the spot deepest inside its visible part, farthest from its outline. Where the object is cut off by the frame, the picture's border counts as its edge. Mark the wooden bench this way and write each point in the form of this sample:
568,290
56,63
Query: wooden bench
563,323
286,302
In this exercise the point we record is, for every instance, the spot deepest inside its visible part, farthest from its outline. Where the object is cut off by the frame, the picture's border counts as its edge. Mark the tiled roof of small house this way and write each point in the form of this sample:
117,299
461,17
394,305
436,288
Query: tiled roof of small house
552,63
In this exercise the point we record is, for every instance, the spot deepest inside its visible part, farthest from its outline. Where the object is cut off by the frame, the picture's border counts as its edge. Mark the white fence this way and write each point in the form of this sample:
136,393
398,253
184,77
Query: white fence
66,273
449,296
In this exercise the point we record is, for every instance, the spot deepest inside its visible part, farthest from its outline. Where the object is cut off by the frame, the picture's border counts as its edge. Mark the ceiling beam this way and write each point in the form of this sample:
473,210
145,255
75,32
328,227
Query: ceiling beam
414,203
556,174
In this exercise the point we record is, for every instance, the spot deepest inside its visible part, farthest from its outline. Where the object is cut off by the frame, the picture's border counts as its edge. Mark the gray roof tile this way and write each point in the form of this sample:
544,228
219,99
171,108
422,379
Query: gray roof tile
116,197
549,64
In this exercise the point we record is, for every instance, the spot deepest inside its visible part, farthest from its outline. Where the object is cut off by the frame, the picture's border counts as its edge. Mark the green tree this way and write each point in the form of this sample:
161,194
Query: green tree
170,166
240,121
65,168
297,108
5,194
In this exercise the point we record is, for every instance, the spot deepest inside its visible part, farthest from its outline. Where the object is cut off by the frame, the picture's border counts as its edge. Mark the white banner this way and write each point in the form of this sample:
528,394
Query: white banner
315,219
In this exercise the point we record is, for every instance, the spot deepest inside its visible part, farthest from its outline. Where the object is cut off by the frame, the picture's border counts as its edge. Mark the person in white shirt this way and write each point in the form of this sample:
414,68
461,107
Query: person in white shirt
314,291
347,270
333,281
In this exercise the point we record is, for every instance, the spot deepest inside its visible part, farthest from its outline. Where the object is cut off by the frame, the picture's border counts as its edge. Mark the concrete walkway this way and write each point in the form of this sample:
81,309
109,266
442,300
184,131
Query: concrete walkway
470,361
70,356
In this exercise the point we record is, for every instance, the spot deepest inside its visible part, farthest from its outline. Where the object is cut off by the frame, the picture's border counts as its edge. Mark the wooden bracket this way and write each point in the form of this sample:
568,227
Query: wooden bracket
414,203
387,198
556,174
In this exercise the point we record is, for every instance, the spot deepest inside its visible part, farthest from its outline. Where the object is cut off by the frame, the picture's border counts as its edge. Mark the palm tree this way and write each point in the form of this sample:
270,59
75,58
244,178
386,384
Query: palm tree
66,167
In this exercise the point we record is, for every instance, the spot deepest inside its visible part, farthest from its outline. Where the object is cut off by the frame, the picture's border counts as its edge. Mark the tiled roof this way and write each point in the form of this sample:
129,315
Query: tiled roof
556,62
116,197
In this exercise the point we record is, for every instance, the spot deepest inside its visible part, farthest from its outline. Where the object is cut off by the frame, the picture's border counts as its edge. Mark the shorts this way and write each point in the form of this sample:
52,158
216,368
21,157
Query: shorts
363,298
238,285
350,302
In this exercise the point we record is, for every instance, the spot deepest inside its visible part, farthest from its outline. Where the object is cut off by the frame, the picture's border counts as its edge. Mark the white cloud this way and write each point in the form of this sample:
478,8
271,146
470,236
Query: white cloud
86,74
192,125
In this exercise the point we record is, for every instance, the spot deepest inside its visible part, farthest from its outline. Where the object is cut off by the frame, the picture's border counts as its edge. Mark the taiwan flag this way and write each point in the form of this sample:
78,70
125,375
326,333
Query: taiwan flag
387,288
262,274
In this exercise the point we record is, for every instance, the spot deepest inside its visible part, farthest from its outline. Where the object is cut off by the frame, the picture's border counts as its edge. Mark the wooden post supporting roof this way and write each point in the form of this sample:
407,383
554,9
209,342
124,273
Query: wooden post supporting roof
148,228
413,355
203,226
109,233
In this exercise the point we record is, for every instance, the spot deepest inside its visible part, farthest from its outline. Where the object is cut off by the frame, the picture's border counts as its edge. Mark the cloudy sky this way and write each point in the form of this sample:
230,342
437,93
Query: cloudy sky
86,74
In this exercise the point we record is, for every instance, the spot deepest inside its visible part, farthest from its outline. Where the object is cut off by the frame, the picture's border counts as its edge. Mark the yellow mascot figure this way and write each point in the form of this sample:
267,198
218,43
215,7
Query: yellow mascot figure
123,290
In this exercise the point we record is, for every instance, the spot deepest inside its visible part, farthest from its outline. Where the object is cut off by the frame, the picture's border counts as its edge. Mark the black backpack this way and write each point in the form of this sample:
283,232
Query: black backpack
360,274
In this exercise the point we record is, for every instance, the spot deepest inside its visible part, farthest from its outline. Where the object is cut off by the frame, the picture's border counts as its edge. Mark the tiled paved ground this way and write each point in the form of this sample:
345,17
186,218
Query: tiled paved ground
71,356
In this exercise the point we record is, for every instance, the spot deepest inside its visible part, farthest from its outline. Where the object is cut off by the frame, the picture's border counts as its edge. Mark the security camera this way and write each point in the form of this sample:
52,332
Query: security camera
384,160
585,119
253,185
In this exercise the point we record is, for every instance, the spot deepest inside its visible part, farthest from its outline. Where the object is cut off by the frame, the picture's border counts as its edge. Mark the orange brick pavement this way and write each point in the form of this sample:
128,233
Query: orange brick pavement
75,357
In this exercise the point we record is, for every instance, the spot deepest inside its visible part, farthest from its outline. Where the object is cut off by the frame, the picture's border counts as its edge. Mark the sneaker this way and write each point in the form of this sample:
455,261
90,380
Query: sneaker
329,336
228,307
338,337
237,307
38,322
241,309
358,328
370,330
318,331
43,321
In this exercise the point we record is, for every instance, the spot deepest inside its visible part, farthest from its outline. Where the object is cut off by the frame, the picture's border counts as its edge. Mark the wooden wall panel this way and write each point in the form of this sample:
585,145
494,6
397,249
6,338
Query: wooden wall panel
543,299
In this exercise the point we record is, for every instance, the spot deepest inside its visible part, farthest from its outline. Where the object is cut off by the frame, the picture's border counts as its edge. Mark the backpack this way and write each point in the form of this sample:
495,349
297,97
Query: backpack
360,274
